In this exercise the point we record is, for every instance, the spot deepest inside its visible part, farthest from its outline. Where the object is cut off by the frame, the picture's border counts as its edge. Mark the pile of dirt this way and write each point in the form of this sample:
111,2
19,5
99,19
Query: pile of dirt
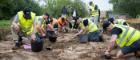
66,48
135,25
133,20
4,33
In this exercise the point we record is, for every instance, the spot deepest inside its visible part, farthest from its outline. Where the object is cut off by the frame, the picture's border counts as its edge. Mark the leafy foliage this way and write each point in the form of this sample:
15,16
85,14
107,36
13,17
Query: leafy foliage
8,8
54,7
127,6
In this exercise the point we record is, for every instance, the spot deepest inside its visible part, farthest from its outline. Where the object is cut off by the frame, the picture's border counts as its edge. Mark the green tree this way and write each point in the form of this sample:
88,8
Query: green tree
8,8
54,7
127,6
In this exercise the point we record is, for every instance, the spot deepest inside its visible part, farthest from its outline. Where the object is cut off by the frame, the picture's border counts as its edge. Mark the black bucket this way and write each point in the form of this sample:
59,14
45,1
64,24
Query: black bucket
83,38
52,36
52,39
37,45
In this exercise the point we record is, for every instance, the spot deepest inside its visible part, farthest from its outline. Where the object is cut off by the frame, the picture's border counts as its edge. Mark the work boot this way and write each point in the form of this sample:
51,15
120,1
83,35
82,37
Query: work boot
18,43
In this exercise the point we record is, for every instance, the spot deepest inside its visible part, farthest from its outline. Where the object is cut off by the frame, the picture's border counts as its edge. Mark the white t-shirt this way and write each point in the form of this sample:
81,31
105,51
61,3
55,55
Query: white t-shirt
74,13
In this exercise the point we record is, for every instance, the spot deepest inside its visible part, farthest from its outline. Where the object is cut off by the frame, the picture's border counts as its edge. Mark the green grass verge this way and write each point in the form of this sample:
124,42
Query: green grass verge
5,24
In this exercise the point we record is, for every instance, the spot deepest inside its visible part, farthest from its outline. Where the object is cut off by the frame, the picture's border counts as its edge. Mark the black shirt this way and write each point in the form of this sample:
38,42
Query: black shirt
116,31
64,10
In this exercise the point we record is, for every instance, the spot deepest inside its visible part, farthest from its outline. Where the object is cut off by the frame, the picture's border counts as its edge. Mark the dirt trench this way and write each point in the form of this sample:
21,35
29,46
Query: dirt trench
66,48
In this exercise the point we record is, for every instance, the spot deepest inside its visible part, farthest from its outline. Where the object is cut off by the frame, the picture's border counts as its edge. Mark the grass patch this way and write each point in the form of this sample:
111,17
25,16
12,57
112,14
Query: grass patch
5,24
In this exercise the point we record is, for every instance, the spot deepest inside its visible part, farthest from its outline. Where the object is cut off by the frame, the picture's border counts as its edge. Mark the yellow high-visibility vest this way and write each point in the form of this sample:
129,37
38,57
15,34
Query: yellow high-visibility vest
93,11
26,24
121,22
91,26
128,36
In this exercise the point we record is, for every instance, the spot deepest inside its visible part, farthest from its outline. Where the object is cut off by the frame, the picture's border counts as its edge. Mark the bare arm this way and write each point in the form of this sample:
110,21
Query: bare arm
79,32
85,30
112,43
51,27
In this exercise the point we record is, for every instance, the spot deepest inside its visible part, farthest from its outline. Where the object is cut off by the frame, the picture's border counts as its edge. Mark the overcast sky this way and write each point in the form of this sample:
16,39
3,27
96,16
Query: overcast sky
102,4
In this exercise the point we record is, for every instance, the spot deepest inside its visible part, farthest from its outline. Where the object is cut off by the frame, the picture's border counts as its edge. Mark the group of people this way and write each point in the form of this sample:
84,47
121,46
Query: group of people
36,28
123,36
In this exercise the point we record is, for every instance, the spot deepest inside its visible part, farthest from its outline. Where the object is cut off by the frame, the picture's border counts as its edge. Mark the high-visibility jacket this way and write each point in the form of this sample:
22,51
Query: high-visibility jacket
128,36
94,12
91,26
26,24
121,21
40,22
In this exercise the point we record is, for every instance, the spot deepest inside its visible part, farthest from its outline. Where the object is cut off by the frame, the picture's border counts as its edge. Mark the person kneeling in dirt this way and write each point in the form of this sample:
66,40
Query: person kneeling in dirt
88,31
125,37
47,27
62,24
51,32
41,24
73,25
75,18
23,25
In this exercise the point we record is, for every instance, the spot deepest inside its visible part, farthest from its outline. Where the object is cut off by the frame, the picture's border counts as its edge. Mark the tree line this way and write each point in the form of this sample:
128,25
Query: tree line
8,8
127,6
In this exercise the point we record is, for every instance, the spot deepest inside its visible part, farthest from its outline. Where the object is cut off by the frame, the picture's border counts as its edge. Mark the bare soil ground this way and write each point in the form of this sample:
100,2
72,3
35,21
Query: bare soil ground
133,20
66,48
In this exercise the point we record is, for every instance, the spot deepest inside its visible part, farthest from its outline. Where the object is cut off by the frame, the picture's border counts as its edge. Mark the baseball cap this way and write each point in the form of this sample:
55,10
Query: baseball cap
106,24
85,22
27,13
111,20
